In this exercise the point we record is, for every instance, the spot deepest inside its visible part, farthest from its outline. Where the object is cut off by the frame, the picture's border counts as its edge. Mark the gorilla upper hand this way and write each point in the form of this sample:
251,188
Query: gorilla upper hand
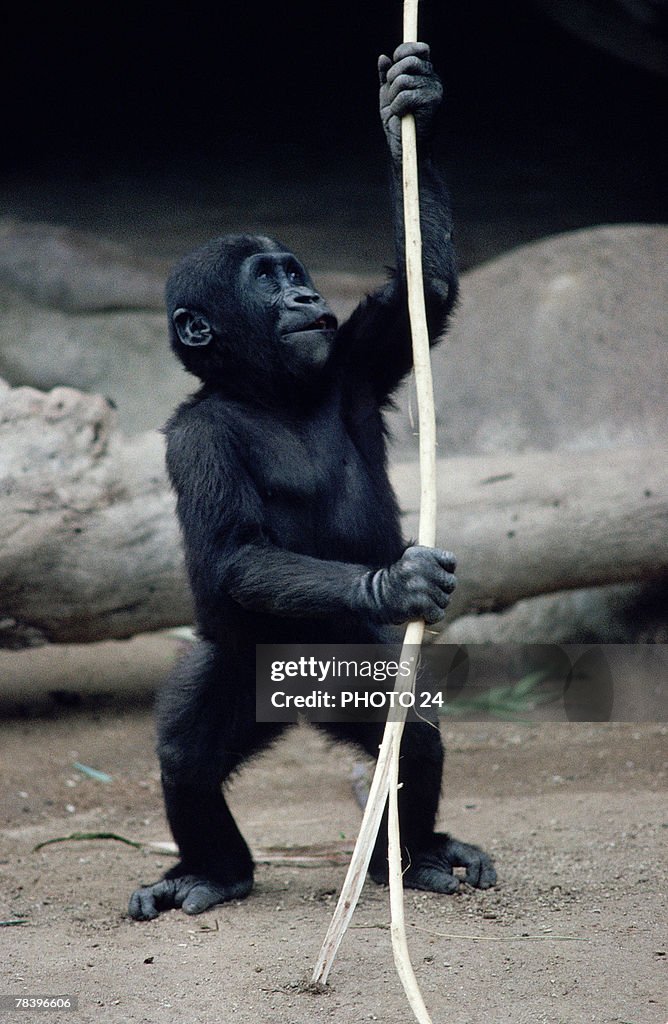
408,85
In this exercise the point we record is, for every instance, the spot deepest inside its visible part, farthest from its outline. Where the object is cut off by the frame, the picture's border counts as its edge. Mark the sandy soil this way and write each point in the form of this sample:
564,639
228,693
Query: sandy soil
575,815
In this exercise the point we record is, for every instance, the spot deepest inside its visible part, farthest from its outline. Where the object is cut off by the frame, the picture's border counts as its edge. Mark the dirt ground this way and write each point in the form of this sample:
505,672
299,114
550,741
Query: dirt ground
575,815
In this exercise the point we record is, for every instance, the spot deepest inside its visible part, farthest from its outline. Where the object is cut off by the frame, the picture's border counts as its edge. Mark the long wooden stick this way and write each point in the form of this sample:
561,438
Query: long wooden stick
386,776
427,522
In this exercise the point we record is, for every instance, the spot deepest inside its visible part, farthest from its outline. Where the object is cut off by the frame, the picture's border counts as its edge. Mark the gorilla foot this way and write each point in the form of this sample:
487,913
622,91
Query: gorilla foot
433,868
193,893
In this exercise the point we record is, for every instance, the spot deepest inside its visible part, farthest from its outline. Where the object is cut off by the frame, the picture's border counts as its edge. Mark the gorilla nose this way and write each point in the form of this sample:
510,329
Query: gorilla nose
300,297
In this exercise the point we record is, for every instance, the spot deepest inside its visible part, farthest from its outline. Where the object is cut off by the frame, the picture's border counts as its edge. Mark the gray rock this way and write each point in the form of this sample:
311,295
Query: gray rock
560,344
123,356
75,272
80,311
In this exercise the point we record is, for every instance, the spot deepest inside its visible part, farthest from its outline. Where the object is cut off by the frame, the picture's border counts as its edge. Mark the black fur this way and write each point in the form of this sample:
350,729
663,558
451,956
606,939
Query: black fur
290,526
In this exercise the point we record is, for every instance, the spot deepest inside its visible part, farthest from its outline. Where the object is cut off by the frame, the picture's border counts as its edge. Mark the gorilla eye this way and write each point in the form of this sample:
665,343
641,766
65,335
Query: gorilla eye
263,272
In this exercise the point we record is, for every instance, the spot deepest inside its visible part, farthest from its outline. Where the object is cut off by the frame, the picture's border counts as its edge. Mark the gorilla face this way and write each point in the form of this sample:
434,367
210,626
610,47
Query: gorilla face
243,305
283,294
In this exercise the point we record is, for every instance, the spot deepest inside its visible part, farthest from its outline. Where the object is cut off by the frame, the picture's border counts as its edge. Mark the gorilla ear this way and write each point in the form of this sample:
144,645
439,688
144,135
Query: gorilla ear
193,329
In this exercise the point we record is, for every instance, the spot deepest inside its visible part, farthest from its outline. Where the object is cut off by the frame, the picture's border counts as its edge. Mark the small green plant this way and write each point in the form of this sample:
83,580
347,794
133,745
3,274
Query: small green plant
507,702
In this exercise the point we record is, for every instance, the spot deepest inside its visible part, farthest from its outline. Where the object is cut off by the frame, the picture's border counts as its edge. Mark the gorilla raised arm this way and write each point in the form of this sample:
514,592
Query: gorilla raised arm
290,526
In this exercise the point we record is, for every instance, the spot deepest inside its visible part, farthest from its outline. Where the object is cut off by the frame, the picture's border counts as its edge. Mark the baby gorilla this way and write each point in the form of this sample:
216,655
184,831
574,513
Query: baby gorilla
290,525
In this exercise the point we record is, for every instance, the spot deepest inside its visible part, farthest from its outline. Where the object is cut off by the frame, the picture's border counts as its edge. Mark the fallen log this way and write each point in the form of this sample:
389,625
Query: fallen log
541,522
89,544
90,549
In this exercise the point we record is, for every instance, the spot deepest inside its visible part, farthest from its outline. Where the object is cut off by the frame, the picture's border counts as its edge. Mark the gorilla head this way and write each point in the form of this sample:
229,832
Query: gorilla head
243,309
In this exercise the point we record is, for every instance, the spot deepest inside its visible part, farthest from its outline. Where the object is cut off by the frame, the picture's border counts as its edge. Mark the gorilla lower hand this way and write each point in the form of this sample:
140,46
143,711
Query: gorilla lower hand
418,586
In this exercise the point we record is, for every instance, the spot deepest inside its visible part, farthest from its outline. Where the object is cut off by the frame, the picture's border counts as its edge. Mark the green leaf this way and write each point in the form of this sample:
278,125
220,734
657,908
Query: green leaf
76,837
92,773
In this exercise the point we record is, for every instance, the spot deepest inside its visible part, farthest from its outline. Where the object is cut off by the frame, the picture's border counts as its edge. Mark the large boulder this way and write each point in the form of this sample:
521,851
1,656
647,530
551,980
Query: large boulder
560,344
83,312
74,271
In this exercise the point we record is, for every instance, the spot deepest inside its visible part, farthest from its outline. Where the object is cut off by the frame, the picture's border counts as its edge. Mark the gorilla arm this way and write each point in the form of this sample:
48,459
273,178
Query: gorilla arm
375,341
269,579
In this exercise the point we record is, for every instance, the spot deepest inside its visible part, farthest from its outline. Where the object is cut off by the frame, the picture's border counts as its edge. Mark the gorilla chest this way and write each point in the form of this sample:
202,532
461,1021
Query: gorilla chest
321,495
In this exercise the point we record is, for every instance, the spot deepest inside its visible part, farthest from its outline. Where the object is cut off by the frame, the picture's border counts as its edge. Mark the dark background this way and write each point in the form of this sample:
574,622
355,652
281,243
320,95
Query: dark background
231,105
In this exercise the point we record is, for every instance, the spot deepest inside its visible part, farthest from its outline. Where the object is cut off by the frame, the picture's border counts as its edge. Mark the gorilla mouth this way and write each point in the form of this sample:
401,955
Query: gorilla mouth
326,322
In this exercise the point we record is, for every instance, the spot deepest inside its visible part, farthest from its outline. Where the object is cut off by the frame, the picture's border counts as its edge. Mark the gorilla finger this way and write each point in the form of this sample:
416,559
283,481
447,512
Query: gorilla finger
200,898
487,877
142,905
409,66
165,894
441,598
438,603
487,874
411,49
414,101
445,559
431,878
205,894
415,87
384,64
447,583
473,871
480,872
479,867
432,614
436,591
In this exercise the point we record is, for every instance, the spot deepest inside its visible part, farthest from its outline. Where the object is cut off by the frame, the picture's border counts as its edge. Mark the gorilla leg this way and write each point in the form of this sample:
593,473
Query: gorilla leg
206,728
428,857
